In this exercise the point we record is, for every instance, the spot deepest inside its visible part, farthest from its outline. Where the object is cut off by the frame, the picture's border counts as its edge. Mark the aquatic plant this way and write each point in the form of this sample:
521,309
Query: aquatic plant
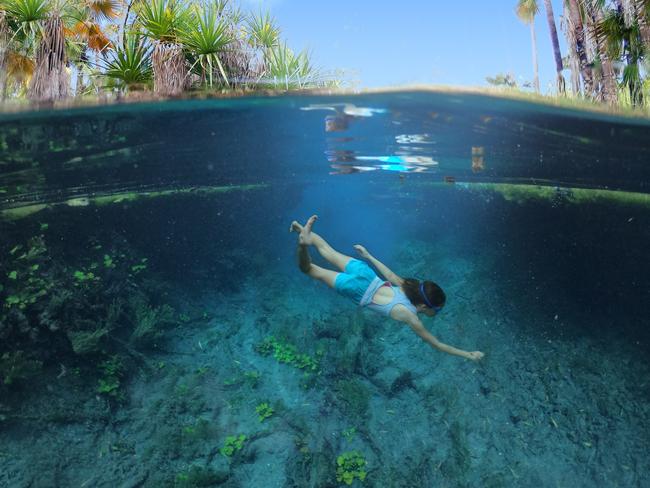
264,411
198,476
16,366
350,465
287,353
233,444
349,433
150,322
251,378
87,342
27,283
457,463
112,371
199,430
85,276
353,398
554,195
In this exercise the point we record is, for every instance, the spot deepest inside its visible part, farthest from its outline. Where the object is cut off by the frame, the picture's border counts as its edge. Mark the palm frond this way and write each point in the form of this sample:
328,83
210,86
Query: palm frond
527,10
104,10
162,20
262,31
26,11
207,37
130,65
286,69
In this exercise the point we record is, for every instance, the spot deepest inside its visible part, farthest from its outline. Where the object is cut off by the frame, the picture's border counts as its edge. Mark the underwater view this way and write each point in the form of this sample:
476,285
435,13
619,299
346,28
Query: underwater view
171,317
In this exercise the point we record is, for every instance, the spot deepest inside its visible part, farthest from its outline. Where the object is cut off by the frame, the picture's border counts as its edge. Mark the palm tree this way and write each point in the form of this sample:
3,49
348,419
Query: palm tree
620,33
206,37
263,36
559,66
5,34
51,80
605,85
129,66
289,70
163,21
526,11
89,19
576,35
35,55
22,27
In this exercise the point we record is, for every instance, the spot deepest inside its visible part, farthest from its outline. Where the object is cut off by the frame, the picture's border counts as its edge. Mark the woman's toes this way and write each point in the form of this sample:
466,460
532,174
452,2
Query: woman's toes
295,227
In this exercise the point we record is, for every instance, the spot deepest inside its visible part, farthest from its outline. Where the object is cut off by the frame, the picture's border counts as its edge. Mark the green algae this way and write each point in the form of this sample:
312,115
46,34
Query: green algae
18,213
520,193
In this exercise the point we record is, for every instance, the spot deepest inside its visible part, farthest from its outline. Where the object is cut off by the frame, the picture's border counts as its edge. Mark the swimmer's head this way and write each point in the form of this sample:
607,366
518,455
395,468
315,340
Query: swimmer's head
427,296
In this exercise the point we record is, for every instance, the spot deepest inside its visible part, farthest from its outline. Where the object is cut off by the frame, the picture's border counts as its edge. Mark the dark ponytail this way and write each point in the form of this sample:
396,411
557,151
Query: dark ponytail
413,290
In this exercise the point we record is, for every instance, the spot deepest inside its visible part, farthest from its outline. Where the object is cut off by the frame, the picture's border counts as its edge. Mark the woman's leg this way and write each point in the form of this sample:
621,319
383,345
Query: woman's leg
309,238
327,276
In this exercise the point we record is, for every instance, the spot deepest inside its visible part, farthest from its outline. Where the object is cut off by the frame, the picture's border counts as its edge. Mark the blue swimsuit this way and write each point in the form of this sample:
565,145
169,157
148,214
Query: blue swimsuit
360,283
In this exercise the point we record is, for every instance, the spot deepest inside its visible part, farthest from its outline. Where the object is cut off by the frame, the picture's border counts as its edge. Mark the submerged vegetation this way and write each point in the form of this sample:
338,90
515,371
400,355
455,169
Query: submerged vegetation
55,49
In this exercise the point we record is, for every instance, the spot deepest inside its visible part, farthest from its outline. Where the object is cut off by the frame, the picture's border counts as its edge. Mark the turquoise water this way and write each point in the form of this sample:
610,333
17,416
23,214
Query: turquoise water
156,331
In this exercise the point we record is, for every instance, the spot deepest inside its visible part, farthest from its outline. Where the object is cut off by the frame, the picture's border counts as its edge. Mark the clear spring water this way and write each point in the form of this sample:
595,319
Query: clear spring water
146,265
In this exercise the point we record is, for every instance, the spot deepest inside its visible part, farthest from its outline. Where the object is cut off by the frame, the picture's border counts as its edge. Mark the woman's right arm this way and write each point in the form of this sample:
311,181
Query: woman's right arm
416,325
381,267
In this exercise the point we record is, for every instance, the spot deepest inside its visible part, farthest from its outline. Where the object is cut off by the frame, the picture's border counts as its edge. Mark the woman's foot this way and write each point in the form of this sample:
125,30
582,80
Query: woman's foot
304,232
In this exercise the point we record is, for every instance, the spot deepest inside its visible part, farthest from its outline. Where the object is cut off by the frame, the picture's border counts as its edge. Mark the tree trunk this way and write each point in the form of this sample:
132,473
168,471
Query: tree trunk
609,86
126,19
4,46
550,18
533,40
581,51
80,87
169,70
624,8
644,26
50,80
574,62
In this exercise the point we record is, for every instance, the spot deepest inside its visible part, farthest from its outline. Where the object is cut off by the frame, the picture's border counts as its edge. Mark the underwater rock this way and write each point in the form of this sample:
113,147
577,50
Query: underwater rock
402,382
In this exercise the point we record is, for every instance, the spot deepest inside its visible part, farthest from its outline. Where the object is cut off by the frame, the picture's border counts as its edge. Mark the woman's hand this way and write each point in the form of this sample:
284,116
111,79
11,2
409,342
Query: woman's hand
362,251
475,355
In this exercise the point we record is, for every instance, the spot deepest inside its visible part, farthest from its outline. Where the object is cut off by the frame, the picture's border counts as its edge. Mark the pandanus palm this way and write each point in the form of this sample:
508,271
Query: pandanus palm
288,70
207,37
262,31
263,36
50,80
129,66
163,21
526,11
38,34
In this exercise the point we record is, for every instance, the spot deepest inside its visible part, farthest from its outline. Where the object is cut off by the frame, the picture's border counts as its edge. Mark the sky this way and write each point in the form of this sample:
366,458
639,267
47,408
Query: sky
386,43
